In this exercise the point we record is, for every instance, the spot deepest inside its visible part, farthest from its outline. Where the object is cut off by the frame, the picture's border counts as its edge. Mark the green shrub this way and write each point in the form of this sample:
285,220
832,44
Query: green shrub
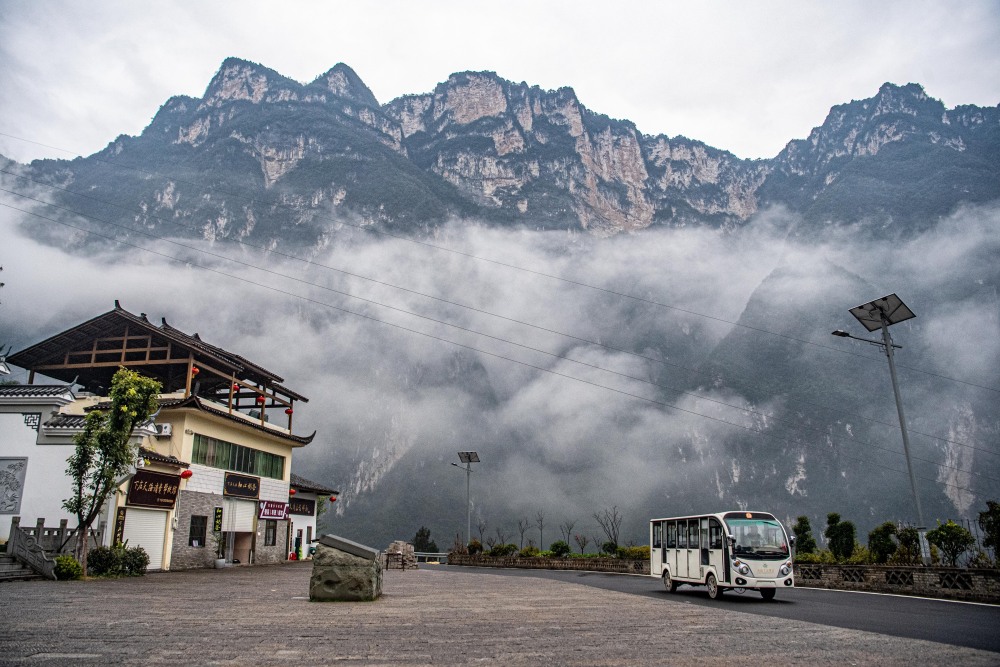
821,556
529,551
117,561
559,549
633,553
545,554
860,556
953,540
908,551
68,568
134,562
881,544
610,548
475,547
104,562
503,551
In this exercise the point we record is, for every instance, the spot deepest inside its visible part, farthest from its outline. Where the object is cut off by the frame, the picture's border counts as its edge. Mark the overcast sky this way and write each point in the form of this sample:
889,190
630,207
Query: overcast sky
746,77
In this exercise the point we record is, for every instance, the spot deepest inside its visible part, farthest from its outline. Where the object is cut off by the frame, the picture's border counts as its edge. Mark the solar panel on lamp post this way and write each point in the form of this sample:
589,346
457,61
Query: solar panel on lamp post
468,458
880,314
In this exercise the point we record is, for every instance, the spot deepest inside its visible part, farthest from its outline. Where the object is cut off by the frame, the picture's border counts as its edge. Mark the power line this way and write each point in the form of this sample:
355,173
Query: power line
499,339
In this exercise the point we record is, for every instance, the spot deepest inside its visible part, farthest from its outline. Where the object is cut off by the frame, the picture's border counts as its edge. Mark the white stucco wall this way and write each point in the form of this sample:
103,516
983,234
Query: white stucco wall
46,485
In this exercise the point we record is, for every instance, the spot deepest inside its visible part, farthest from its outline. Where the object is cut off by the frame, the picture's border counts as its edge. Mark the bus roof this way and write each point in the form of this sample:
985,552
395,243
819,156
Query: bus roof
731,514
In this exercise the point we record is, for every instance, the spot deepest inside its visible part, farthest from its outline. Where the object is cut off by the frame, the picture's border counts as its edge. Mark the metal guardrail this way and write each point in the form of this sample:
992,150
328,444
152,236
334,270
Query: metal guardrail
431,557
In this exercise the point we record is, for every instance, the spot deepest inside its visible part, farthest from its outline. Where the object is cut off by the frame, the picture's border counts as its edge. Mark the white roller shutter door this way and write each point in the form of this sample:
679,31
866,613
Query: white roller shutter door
239,515
146,529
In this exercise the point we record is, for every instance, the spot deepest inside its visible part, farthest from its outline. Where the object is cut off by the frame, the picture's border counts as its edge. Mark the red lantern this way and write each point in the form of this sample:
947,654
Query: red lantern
194,371
289,411
186,474
261,399
236,387
333,499
291,492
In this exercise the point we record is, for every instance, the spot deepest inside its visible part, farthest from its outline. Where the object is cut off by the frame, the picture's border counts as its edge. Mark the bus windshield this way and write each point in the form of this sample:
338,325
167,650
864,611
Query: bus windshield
758,538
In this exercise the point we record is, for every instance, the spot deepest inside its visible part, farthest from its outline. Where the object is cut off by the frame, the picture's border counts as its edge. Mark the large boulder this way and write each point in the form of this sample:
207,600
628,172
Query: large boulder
344,571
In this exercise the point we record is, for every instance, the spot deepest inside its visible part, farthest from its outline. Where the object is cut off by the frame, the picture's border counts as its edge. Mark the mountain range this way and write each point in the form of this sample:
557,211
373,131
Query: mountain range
890,192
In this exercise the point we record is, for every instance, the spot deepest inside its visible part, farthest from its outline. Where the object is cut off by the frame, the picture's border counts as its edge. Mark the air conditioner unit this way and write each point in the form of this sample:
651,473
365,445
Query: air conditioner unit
164,430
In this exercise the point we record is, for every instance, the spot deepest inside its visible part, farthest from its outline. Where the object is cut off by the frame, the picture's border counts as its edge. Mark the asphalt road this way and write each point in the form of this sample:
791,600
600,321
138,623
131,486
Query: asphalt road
956,623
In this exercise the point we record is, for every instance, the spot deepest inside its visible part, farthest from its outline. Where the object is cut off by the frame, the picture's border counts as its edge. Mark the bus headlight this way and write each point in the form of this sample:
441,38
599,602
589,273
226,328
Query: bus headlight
786,567
742,568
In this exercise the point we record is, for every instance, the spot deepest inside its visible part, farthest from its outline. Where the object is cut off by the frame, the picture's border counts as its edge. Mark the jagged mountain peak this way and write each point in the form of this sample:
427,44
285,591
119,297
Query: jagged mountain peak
344,82
239,79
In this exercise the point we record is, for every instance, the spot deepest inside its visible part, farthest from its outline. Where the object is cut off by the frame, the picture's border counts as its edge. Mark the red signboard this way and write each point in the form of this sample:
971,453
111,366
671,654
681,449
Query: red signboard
271,509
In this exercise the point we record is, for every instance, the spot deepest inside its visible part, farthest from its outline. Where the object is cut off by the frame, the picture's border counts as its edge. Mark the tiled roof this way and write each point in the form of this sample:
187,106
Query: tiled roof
48,355
66,421
204,406
303,484
33,390
150,455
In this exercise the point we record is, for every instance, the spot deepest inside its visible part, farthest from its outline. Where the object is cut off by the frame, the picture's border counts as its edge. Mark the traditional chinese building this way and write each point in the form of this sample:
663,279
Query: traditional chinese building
214,472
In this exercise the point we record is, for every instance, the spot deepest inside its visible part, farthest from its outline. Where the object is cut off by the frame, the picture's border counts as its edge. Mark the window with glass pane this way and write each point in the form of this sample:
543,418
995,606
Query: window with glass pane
196,536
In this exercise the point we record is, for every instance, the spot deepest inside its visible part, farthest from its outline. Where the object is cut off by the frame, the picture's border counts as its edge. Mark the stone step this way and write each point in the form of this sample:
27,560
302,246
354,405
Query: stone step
12,569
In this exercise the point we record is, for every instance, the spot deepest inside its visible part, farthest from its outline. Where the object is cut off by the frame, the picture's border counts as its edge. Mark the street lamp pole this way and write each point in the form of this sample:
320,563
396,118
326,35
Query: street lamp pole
468,458
880,314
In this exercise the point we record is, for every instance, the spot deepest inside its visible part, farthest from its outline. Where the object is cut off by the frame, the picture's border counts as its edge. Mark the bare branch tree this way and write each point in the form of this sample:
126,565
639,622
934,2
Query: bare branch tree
610,520
481,526
491,542
502,535
540,522
522,527
582,542
566,529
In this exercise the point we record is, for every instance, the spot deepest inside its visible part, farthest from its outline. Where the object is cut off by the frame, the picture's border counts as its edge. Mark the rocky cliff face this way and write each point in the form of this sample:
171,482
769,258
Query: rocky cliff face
286,159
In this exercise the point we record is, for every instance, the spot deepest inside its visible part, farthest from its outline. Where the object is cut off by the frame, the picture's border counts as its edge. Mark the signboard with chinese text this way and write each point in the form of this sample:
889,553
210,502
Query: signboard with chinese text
241,486
153,489
302,506
271,509
120,526
217,523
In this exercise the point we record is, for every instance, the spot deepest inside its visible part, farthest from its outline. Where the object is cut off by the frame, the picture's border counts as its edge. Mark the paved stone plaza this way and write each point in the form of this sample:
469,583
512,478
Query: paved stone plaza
261,616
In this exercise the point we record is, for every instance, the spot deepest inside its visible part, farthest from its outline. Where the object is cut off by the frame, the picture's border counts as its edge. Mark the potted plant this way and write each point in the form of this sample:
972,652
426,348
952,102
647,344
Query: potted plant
220,549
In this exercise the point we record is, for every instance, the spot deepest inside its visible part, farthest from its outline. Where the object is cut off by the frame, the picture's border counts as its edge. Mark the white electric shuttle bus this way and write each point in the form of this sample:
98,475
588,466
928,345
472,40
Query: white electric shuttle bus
727,550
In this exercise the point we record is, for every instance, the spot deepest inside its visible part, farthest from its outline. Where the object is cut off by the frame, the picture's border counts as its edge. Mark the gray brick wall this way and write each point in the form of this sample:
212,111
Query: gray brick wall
189,503
184,557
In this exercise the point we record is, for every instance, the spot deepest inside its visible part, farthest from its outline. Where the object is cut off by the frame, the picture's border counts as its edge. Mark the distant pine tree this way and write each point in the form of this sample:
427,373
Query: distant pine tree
422,541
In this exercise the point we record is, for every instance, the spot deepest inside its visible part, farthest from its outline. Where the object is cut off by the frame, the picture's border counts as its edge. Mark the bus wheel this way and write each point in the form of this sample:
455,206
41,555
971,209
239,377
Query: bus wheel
767,593
668,582
713,587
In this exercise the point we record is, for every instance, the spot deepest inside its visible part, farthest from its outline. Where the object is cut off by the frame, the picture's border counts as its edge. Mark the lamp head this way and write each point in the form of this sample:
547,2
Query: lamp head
841,333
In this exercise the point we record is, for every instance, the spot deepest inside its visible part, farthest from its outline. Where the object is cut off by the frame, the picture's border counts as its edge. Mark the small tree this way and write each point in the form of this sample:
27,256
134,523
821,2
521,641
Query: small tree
481,526
989,522
566,530
540,522
104,452
880,543
422,541
952,539
581,541
522,527
502,535
805,543
840,535
610,520
908,551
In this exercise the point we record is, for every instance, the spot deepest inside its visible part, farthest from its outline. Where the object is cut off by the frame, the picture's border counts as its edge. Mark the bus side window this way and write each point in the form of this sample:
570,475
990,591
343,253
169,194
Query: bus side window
657,535
682,529
693,534
715,534
672,535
